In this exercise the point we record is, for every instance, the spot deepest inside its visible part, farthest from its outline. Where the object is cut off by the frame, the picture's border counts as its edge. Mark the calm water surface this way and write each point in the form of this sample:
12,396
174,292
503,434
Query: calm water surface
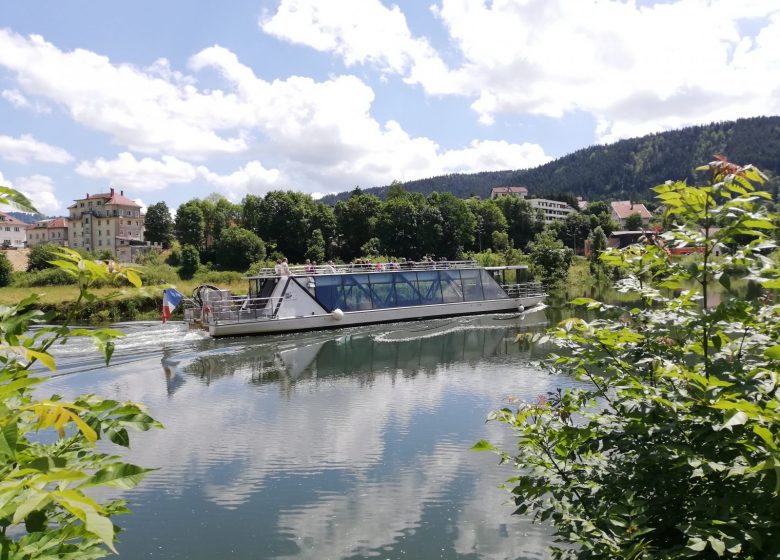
339,444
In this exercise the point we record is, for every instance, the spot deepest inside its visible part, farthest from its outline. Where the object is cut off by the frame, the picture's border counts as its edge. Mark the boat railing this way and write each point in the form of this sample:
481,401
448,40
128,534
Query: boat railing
410,266
525,289
234,309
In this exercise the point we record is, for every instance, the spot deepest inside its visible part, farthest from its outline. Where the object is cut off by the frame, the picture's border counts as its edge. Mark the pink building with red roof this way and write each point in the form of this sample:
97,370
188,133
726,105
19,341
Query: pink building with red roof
106,222
13,232
519,192
622,209
48,231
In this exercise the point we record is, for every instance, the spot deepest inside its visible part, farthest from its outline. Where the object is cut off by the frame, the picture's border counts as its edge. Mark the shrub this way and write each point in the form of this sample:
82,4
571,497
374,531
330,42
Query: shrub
154,275
671,448
40,256
6,270
174,258
190,261
46,277
550,257
219,277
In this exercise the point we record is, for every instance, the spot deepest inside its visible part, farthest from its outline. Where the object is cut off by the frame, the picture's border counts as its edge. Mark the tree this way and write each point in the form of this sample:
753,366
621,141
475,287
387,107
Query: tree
237,248
50,468
190,224
190,261
158,224
598,244
670,446
550,257
6,269
356,220
457,222
41,256
522,221
285,220
489,220
397,228
316,249
634,222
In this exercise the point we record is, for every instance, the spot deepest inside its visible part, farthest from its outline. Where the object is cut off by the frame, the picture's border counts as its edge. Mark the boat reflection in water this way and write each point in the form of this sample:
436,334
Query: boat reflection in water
403,349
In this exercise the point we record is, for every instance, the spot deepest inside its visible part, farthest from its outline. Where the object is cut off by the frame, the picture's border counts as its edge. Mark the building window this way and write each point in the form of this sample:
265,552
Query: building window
7,228
100,242
16,229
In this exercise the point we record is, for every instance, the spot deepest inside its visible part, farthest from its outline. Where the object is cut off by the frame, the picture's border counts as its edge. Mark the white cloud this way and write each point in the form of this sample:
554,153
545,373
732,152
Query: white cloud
252,178
491,155
15,98
636,69
40,190
315,136
146,174
26,148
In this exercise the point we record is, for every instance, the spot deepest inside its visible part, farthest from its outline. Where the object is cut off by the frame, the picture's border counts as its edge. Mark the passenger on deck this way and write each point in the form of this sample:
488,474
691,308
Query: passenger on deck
308,267
330,267
278,267
285,268
314,267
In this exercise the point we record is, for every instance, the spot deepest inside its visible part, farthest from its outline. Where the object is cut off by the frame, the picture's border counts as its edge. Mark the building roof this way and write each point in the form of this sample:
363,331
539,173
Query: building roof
110,197
624,208
52,223
509,190
11,221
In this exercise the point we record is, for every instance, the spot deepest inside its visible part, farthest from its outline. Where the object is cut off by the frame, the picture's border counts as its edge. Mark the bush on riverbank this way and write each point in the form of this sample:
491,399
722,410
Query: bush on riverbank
671,449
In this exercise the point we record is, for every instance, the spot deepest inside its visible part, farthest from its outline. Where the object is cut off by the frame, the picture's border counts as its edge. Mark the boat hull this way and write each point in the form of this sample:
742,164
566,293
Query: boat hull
368,317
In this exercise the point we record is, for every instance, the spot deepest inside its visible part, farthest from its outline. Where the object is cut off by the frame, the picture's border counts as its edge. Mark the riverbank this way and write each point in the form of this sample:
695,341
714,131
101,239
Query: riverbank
129,304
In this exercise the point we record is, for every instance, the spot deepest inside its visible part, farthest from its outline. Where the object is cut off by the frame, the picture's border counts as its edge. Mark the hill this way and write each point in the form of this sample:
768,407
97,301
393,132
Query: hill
624,170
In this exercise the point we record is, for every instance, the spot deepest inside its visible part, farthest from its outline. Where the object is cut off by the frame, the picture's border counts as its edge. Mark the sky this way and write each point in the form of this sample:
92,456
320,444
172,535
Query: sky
179,99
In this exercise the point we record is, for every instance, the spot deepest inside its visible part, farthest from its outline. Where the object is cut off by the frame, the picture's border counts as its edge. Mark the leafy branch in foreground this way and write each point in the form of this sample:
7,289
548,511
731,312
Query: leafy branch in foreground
673,449
48,458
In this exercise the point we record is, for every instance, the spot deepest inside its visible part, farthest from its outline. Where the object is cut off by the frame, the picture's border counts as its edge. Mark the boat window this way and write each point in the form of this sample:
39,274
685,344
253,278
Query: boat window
382,292
328,291
430,287
491,288
357,296
406,291
451,288
472,285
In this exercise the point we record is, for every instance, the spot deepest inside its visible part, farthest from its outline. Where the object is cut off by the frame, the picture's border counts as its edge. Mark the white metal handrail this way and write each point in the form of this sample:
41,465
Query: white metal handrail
407,266
525,289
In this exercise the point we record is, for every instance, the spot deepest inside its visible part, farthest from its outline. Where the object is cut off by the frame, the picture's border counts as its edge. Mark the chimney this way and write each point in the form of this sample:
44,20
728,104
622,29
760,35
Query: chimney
112,191
121,193
87,195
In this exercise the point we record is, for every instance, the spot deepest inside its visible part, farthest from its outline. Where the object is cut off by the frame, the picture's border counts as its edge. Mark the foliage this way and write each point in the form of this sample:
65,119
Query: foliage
490,220
550,257
219,277
40,256
158,274
48,462
45,277
158,224
237,248
671,449
174,257
522,223
634,222
598,244
316,249
190,225
6,270
190,261
356,221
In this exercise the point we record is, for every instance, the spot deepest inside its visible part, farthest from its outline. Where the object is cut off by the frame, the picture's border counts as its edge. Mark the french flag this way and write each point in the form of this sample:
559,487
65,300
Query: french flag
171,299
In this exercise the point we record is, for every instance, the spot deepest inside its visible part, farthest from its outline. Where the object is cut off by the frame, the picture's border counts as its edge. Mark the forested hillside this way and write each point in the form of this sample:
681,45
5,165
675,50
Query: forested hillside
626,169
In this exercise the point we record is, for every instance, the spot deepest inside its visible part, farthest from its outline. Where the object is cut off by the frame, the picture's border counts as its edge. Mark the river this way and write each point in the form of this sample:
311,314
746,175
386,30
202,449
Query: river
339,444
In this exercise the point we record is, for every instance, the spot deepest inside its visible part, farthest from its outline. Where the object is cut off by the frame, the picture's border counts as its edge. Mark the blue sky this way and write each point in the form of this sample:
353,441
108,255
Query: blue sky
171,100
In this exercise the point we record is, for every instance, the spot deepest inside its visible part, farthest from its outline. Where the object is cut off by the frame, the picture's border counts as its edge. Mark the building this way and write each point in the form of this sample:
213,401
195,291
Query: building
552,209
518,192
14,232
105,222
622,209
48,231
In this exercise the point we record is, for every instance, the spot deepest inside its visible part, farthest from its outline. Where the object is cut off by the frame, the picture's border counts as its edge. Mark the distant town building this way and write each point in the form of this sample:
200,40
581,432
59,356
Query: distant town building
48,231
14,232
582,204
106,222
552,209
519,192
622,209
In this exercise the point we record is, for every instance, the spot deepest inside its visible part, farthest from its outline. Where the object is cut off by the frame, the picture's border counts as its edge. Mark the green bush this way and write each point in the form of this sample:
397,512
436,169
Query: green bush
219,277
258,266
670,448
174,258
6,270
45,277
190,261
154,275
40,256
237,248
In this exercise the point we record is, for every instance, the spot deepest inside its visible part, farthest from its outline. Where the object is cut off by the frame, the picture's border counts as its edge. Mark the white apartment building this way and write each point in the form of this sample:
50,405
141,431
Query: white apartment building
13,232
105,221
553,209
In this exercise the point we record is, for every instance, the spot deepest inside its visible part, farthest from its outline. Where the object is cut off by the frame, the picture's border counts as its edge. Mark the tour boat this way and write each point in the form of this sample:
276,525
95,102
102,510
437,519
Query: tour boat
327,297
